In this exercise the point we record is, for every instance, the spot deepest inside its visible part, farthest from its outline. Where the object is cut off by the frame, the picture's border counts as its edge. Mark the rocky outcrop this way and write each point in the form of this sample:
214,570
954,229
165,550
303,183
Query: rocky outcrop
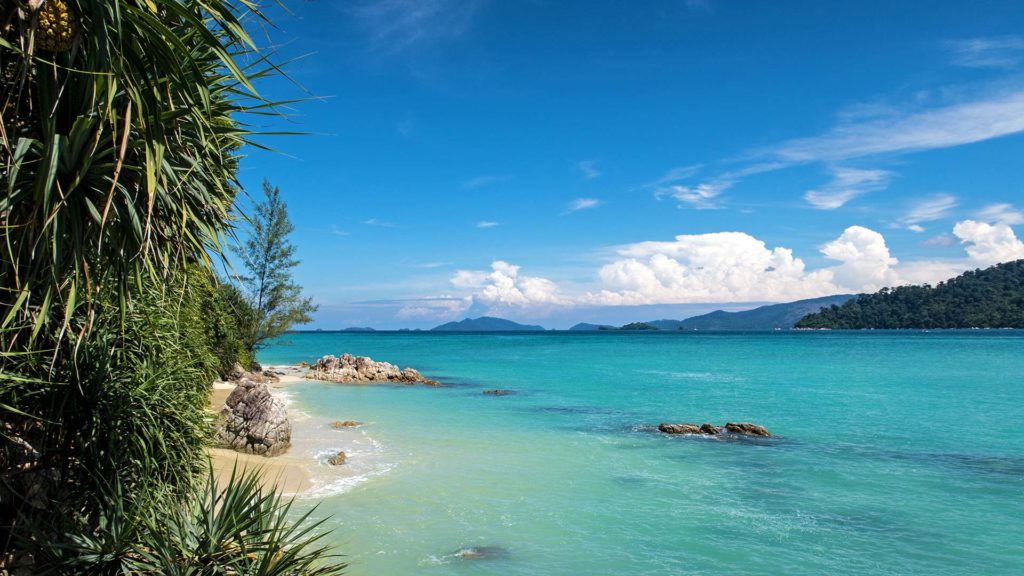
498,392
337,460
747,429
737,428
364,370
679,428
253,421
257,374
339,424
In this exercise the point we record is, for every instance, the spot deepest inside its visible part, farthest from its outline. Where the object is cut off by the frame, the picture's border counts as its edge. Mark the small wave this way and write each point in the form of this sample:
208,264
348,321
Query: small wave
341,485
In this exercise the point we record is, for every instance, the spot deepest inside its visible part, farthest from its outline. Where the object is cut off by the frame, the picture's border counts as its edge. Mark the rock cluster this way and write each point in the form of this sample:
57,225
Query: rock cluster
364,370
337,460
253,421
339,424
739,428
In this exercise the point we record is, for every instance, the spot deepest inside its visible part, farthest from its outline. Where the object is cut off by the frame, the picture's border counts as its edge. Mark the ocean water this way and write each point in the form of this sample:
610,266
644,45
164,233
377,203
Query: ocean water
896,453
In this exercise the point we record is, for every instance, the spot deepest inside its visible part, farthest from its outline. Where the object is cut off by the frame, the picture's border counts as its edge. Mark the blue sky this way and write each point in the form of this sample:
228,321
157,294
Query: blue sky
556,162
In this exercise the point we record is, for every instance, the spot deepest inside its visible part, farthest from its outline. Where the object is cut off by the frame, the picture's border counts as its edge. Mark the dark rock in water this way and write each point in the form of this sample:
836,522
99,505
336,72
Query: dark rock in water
498,392
710,429
253,421
337,460
339,424
738,428
481,553
747,429
679,428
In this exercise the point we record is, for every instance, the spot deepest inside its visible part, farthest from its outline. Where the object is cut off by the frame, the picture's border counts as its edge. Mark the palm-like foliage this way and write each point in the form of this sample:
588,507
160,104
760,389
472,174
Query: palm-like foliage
238,528
118,154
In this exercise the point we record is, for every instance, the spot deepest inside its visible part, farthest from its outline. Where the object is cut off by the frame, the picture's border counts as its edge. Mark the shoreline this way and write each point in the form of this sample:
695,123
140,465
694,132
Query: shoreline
285,472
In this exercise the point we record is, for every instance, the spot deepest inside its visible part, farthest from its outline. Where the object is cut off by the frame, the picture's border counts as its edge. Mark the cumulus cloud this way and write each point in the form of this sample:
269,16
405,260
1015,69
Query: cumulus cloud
989,244
847,184
722,267
504,287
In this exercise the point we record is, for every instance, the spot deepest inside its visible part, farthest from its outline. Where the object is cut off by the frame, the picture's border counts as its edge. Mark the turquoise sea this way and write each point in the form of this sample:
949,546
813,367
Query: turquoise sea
896,453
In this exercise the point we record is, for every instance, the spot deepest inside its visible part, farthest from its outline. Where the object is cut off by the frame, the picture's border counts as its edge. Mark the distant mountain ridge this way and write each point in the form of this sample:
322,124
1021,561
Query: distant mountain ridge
989,298
773,316
781,316
486,324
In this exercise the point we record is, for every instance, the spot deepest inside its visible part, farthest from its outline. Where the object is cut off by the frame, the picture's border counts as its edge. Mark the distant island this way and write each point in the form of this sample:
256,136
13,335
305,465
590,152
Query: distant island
770,317
359,329
989,298
486,324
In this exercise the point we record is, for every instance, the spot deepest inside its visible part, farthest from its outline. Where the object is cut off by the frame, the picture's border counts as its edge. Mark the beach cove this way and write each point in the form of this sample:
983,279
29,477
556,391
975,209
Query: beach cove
889,456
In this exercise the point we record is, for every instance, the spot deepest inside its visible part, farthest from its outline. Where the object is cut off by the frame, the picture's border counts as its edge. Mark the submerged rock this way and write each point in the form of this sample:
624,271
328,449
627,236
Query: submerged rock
339,424
364,370
498,392
253,421
480,552
739,428
679,428
747,429
337,460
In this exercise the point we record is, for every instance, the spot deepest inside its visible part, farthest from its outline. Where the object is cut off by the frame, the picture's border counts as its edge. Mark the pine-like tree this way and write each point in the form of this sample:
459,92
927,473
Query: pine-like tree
269,257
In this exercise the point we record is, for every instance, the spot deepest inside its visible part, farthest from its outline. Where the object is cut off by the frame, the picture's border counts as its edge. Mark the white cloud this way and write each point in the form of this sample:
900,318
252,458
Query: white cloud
1001,213
715,267
847,184
723,267
996,52
989,244
434,309
381,223
866,264
928,210
505,287
397,25
700,197
900,131
587,167
486,224
953,125
582,204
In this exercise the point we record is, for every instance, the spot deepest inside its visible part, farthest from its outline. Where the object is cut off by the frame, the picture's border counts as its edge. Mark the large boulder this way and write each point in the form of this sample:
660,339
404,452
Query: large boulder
253,421
364,370
747,429
679,428
337,460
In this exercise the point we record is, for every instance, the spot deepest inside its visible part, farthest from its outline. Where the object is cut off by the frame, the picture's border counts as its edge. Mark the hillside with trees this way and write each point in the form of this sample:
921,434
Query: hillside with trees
989,298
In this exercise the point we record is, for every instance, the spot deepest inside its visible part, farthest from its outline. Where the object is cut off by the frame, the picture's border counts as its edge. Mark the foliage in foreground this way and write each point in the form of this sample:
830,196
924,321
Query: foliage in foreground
989,298
238,528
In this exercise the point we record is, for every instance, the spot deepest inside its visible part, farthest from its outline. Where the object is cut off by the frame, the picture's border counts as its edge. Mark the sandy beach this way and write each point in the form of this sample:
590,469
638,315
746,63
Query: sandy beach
285,471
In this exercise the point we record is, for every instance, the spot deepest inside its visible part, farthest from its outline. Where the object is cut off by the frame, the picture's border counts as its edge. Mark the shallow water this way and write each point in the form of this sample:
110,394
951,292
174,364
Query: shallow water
897,453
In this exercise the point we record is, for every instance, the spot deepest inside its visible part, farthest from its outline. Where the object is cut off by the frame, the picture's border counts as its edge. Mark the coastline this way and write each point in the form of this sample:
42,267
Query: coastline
286,472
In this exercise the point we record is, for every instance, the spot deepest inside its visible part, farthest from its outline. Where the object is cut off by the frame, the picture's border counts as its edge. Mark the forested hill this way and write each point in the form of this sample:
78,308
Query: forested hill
989,298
